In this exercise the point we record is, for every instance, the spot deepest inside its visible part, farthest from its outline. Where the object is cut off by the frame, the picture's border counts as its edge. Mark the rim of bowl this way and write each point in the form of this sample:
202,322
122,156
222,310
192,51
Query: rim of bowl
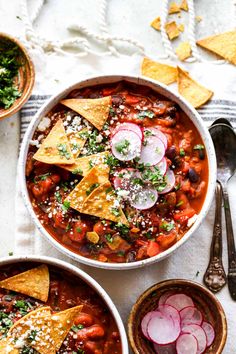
85,277
177,282
166,92
30,79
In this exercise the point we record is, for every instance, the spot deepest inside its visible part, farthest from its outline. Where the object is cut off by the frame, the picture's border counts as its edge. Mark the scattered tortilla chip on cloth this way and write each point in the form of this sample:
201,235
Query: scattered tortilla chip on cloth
172,30
195,93
62,323
164,73
33,282
102,202
96,110
35,330
223,44
183,50
181,27
91,181
83,165
77,141
174,8
55,148
156,24
184,5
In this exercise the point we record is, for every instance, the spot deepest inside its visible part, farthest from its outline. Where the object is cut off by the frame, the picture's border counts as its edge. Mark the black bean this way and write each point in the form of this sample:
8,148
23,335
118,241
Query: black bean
171,111
201,154
192,175
117,100
131,257
171,152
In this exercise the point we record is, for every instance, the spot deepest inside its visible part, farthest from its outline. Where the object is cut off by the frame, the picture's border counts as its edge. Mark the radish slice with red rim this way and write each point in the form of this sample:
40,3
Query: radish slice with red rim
164,297
164,349
144,323
186,344
170,181
125,145
152,152
162,166
209,331
162,329
124,178
142,199
179,301
129,126
199,334
171,312
190,315
156,132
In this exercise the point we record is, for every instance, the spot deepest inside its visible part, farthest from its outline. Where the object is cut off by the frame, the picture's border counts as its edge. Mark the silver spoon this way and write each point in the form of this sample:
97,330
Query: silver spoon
224,139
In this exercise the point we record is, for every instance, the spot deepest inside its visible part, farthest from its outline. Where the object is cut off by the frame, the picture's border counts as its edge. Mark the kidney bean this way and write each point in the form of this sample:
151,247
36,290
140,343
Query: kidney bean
94,332
85,319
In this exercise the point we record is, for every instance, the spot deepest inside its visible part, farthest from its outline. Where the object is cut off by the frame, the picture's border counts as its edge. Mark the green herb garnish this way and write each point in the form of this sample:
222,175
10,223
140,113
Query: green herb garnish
92,187
58,196
65,206
109,238
77,328
199,147
146,114
167,226
62,149
115,211
181,152
122,147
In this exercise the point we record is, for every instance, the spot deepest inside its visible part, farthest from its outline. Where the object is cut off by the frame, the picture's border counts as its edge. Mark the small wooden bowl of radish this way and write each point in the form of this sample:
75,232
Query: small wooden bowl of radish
177,317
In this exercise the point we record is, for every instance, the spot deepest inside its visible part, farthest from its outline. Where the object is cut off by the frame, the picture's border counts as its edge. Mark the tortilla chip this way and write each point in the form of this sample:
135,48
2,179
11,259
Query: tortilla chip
195,93
184,5
97,175
62,323
198,18
7,348
96,110
181,27
77,141
102,202
55,148
33,282
156,24
38,324
172,30
183,50
83,165
223,44
174,8
161,72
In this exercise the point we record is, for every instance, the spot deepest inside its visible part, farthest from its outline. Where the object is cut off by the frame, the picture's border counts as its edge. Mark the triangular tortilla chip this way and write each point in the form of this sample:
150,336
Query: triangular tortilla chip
35,329
83,165
195,93
156,23
97,175
55,148
102,202
223,44
183,50
184,5
62,323
173,8
77,141
33,282
172,30
96,110
161,72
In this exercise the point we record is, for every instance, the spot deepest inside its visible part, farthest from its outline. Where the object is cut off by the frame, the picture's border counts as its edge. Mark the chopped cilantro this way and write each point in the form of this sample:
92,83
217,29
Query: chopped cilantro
78,229
199,147
92,146
112,112
43,177
108,190
181,152
111,161
115,211
68,227
79,351
146,114
65,206
84,135
23,306
148,132
91,164
153,175
179,203
122,147
167,226
75,147
76,328
5,322
120,253
177,187
109,238
122,228
31,337
64,185
77,171
58,196
62,149
92,187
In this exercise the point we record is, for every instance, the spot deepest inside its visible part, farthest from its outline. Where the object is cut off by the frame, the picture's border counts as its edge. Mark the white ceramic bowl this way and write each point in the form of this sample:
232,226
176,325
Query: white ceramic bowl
161,89
86,278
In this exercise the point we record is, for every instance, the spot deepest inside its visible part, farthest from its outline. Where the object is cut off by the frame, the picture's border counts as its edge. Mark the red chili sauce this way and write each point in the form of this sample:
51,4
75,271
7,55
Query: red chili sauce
94,330
150,231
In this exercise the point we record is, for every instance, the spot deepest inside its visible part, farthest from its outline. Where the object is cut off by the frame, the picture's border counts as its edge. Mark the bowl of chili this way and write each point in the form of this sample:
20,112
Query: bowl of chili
16,75
56,291
117,172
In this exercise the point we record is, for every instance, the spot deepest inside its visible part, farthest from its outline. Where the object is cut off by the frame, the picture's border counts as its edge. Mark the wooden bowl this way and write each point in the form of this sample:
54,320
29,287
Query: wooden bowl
24,80
205,301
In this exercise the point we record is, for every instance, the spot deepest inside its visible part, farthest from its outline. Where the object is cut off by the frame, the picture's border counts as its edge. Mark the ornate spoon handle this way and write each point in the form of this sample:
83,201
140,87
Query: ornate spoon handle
231,245
215,277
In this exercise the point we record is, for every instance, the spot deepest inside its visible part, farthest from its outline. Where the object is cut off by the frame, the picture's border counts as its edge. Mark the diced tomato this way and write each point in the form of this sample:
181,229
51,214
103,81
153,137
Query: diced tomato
79,232
102,229
60,221
182,201
183,215
167,240
153,249
131,100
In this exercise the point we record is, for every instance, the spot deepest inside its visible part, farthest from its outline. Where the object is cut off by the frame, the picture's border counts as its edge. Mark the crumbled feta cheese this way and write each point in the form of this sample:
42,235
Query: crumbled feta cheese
44,124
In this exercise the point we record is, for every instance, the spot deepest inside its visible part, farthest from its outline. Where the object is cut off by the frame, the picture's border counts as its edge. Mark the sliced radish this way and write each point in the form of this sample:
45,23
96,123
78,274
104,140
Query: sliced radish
153,151
124,178
186,344
170,180
142,199
199,334
162,166
162,330
144,323
156,132
164,349
209,331
171,312
129,126
125,145
179,301
190,315
164,297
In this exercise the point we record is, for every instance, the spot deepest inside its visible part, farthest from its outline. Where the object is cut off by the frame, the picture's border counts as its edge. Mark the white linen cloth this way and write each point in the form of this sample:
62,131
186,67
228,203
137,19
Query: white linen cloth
191,260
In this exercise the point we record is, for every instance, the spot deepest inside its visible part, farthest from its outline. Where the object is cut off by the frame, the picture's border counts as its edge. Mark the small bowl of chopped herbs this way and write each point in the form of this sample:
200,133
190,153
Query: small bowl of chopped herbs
16,75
